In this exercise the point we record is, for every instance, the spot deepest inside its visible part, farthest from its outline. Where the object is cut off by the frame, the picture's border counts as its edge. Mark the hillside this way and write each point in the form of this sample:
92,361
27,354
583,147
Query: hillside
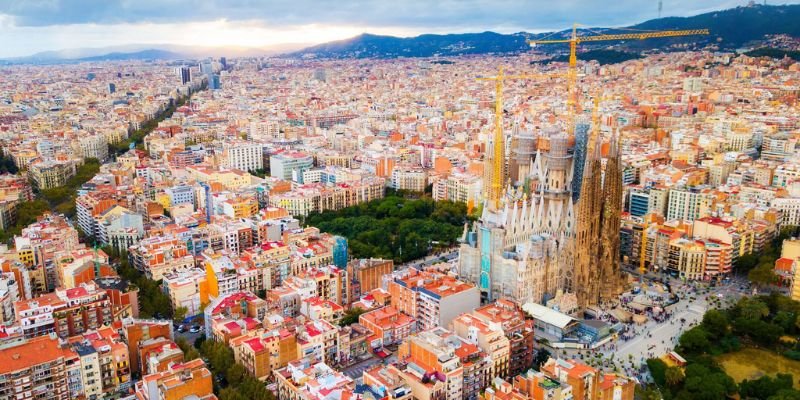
150,54
730,29
602,56
376,46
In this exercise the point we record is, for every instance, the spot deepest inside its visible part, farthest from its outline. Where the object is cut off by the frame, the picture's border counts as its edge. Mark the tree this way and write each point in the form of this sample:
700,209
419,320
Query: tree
695,340
180,314
542,355
7,164
752,308
230,393
762,275
786,394
703,383
647,393
351,316
658,370
747,262
235,375
715,323
765,387
673,376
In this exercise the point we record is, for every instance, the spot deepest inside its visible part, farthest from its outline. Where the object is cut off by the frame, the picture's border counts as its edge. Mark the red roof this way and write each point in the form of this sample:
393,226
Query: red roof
255,344
784,264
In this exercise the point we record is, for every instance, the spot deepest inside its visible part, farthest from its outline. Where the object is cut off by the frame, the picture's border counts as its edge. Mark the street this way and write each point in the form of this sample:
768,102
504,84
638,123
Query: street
448,255
654,339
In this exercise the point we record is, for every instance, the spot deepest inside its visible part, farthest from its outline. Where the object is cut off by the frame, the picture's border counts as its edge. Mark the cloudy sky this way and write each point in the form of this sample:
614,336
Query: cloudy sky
30,26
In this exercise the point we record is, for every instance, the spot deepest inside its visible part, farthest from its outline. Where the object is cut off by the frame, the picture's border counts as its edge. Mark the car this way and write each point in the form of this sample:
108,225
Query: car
195,329
181,329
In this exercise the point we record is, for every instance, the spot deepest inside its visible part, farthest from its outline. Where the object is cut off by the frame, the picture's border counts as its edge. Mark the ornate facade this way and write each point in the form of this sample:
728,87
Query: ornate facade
597,275
523,250
539,243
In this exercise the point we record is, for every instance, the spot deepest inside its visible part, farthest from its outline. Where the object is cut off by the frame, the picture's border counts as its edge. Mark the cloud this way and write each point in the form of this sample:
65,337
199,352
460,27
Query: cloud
28,26
476,14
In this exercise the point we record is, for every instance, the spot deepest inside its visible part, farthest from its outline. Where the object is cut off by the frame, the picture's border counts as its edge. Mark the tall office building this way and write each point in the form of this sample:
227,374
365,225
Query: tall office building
340,252
214,82
112,88
185,74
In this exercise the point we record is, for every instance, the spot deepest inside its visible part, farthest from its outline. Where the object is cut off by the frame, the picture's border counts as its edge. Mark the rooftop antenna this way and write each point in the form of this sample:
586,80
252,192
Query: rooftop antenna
661,7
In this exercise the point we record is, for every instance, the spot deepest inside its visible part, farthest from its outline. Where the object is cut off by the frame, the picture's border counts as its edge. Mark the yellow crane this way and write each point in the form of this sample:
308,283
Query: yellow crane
495,190
572,73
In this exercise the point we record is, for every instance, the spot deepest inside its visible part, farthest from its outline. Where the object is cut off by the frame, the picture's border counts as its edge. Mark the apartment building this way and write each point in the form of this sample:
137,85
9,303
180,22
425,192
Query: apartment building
433,368
290,166
236,305
38,368
245,156
186,288
304,380
66,312
49,174
158,255
588,383
432,298
411,178
191,379
530,385
263,352
317,197
388,326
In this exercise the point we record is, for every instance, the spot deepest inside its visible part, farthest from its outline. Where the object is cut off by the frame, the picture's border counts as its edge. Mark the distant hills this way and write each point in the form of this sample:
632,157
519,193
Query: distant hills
730,30
147,52
376,46
150,54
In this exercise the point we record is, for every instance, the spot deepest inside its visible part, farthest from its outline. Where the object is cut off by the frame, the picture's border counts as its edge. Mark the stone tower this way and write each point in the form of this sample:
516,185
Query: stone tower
586,284
610,222
597,273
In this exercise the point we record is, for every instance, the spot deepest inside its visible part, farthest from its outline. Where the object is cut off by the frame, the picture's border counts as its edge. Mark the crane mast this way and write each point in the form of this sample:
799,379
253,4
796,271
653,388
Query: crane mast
498,165
574,40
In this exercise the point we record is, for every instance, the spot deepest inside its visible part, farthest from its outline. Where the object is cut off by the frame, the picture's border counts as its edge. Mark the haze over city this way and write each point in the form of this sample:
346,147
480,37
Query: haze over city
32,26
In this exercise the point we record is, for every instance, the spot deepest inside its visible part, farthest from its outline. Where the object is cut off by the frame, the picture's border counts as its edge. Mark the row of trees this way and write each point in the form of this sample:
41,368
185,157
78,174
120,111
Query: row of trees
7,165
137,136
60,199
760,267
761,321
395,227
153,303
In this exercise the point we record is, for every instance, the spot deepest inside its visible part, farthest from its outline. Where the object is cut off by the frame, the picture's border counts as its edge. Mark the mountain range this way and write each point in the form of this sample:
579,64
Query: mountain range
149,52
730,29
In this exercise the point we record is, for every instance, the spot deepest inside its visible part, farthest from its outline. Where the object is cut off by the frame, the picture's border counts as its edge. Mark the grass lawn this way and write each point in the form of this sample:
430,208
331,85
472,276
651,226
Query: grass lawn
750,363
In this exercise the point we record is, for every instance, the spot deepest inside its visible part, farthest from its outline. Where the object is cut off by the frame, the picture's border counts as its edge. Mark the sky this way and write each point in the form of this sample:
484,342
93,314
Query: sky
31,26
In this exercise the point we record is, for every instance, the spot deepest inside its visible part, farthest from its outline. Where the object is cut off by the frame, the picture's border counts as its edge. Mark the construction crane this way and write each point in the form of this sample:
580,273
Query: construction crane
495,190
572,73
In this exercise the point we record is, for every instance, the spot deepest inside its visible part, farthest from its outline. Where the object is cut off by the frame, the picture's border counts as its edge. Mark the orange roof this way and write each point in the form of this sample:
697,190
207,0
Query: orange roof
36,351
784,264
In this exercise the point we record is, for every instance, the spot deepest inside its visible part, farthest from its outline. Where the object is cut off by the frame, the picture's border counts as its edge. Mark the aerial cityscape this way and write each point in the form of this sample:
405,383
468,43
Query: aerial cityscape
428,200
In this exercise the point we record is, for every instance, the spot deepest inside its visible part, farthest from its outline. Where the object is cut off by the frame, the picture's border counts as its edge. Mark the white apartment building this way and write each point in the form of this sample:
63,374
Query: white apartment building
687,204
245,156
